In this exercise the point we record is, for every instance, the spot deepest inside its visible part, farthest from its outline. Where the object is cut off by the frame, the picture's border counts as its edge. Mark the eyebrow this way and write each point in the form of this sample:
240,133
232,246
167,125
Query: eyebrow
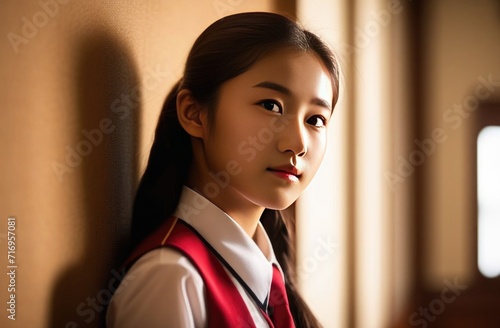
284,90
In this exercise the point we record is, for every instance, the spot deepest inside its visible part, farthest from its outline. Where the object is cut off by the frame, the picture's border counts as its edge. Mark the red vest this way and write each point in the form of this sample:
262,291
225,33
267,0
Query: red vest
224,304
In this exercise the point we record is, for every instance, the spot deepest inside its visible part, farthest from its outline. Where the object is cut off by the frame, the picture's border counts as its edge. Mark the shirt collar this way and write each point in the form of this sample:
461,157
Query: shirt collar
251,259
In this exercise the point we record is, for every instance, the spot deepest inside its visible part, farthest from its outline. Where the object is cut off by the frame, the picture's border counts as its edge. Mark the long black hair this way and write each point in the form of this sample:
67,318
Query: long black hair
226,49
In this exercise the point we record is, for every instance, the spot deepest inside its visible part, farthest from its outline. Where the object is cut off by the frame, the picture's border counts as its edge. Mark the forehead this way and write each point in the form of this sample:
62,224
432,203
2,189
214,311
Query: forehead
301,72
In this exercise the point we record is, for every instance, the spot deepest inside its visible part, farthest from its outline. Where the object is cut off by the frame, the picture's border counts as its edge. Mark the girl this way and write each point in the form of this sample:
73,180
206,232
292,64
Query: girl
239,138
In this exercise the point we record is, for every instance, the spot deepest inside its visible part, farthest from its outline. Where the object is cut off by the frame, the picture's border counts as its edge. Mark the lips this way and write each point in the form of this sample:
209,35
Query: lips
286,169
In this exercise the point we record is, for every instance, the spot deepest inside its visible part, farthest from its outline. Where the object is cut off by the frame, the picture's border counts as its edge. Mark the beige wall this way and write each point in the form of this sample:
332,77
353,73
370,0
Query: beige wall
106,66
321,210
89,65
462,37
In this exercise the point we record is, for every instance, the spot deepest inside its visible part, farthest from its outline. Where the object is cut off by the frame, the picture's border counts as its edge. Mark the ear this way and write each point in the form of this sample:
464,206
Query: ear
191,115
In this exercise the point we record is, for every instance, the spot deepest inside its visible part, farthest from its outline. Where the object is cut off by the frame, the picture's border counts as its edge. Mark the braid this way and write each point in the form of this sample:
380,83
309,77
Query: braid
280,231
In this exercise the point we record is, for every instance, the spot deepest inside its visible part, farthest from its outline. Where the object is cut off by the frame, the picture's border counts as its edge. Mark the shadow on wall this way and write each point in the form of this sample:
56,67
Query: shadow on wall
108,105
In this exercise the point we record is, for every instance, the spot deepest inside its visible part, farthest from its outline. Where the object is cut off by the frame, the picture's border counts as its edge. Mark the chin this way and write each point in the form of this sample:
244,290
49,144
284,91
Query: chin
280,203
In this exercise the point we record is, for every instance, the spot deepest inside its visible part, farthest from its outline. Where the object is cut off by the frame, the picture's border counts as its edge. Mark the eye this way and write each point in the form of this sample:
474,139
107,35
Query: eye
317,121
271,105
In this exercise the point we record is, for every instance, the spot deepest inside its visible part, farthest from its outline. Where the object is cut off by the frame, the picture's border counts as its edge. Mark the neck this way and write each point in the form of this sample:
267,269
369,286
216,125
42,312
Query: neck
246,213
240,209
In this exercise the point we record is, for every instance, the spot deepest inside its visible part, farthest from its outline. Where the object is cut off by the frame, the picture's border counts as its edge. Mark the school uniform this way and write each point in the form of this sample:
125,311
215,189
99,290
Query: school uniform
201,269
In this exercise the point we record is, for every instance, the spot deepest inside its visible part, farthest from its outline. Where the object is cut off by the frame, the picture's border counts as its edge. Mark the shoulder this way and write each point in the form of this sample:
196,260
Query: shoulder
155,291
161,260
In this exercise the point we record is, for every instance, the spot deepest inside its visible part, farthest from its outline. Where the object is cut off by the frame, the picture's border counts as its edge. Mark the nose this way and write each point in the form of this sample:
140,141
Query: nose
293,138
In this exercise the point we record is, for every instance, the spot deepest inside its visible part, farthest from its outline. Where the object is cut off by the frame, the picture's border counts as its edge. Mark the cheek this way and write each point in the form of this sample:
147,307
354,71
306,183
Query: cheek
243,135
318,149
231,143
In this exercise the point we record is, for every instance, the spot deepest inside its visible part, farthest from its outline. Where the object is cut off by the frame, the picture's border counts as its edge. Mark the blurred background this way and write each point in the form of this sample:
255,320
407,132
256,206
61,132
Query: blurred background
401,227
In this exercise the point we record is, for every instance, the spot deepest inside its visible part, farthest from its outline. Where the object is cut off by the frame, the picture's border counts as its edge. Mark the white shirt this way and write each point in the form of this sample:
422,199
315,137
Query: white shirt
163,288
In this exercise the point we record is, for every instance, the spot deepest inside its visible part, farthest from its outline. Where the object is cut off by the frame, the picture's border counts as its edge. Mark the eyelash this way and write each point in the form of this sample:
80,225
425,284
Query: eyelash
274,102
321,118
262,102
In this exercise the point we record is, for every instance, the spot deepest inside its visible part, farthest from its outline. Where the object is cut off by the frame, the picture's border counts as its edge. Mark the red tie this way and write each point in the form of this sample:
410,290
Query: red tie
279,311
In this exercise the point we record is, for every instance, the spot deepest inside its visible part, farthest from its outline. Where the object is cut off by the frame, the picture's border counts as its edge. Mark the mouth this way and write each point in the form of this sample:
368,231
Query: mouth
286,172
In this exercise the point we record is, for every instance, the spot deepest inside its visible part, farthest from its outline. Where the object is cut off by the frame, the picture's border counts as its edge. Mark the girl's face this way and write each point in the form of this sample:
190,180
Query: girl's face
269,133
